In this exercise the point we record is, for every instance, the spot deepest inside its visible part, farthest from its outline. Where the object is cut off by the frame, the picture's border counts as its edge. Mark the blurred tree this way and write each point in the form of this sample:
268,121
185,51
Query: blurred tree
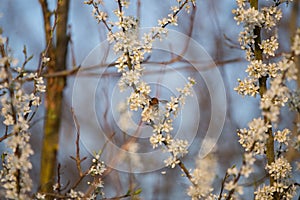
56,50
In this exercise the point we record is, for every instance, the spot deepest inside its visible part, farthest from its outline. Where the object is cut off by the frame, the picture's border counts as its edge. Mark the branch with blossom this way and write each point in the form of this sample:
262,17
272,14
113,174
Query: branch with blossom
17,108
261,138
132,50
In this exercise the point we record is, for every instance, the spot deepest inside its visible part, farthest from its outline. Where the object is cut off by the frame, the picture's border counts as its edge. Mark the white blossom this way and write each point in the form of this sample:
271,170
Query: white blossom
171,161
98,167
296,43
156,139
280,168
264,193
255,137
257,69
178,147
16,107
203,176
269,46
282,136
247,87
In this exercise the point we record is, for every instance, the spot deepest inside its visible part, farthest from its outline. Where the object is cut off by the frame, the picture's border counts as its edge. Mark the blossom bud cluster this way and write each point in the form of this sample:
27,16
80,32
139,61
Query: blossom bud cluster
98,167
96,170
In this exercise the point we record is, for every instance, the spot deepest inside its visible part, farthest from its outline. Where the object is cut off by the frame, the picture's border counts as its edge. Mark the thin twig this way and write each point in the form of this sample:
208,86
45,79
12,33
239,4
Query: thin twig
222,186
78,159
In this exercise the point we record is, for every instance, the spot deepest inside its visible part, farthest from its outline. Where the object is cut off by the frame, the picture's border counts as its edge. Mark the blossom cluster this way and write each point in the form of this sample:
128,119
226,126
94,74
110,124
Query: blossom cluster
17,109
96,171
296,43
98,166
203,177
250,17
278,94
254,138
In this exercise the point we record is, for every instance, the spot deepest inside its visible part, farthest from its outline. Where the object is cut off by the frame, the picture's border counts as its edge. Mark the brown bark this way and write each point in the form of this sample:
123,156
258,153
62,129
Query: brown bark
262,90
54,93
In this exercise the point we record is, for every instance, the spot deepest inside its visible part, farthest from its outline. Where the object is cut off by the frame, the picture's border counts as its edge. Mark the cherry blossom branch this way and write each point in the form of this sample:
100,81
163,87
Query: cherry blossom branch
130,64
262,90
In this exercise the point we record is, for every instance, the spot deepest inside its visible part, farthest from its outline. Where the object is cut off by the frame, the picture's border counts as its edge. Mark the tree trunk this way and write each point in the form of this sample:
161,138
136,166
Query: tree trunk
54,93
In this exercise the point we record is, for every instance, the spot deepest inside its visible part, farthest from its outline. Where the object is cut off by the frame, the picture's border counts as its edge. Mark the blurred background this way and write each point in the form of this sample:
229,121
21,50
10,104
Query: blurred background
211,25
